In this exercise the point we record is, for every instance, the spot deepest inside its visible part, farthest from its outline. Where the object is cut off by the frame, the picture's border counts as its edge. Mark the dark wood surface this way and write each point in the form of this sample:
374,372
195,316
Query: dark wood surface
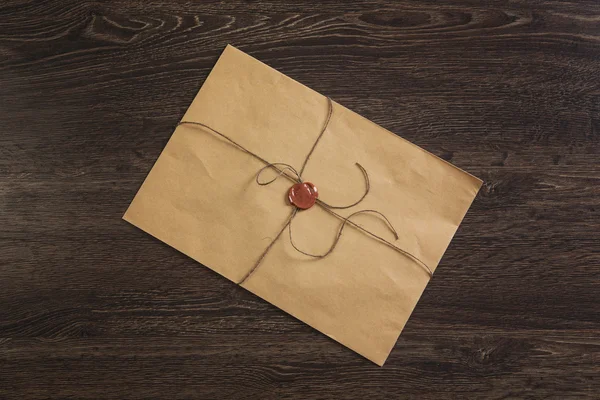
91,307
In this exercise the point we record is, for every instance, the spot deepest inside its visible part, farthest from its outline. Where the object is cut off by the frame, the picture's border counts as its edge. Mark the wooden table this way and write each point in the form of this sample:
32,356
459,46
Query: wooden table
92,308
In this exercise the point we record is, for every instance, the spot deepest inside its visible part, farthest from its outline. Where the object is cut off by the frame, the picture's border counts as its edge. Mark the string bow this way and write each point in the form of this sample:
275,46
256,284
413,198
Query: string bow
296,176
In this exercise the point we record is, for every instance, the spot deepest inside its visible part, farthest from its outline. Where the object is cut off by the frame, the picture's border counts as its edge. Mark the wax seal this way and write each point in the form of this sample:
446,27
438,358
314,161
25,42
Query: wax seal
303,195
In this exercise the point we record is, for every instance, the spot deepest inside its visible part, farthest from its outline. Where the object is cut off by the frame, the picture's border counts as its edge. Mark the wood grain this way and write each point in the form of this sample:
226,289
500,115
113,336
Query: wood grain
90,307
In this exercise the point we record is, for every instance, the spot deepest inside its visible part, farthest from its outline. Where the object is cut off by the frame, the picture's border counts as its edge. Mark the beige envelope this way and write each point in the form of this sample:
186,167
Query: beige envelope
202,199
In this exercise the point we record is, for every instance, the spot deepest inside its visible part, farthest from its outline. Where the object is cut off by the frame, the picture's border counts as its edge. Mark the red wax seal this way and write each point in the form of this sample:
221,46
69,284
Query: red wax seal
303,195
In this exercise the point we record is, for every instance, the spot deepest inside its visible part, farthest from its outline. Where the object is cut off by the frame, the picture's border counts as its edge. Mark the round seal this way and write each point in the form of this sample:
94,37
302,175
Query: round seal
303,195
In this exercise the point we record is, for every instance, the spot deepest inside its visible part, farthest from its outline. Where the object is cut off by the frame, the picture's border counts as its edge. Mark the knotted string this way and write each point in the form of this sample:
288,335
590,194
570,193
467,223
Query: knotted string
297,178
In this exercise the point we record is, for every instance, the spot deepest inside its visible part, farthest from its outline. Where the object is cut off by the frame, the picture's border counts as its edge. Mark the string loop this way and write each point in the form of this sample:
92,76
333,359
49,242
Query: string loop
288,167
339,234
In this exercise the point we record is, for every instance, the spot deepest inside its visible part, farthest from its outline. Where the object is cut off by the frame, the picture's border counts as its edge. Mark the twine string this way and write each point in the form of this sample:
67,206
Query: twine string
339,234
282,170
323,129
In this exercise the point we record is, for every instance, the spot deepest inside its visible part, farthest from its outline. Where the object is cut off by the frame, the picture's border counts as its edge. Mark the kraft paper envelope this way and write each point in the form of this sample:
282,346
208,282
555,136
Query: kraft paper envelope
201,198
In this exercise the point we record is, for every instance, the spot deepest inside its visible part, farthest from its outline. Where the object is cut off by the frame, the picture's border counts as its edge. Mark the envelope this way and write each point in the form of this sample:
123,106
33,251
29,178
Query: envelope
201,197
